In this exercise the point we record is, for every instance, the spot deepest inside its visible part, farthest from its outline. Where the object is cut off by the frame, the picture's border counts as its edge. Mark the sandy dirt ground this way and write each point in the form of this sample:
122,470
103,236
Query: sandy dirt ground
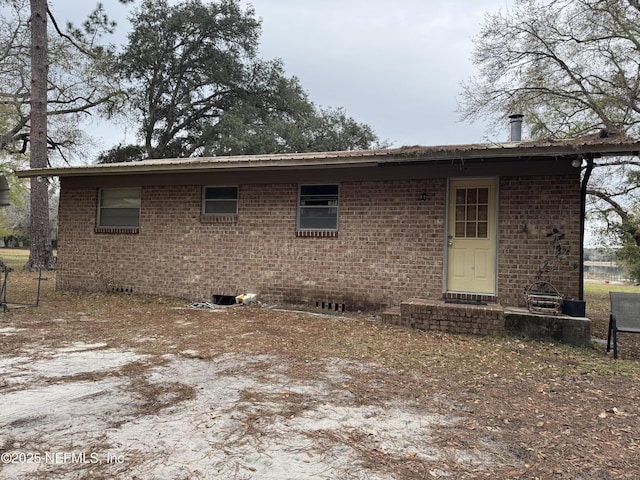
88,410
108,386
229,417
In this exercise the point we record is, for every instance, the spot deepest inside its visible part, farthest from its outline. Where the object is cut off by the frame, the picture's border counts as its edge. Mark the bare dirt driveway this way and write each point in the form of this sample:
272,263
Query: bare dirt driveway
108,386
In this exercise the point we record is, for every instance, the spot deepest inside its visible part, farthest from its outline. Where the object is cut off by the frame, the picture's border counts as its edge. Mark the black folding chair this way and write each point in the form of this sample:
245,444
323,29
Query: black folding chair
625,317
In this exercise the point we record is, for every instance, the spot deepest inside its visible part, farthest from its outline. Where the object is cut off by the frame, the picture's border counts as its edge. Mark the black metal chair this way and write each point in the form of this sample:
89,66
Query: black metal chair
625,317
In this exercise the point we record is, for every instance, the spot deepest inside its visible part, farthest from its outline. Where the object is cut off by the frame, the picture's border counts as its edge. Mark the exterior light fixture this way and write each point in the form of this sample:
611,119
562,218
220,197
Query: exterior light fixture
576,163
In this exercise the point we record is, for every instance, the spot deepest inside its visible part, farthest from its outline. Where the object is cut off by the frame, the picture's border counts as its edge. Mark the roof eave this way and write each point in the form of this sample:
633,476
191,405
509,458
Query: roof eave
130,169
405,155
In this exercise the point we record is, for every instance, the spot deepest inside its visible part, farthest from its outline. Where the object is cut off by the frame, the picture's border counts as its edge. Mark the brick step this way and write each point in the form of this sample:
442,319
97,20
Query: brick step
450,317
392,315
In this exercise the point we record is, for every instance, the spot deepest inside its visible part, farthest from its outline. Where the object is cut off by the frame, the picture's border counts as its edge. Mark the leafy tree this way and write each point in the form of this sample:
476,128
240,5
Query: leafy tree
15,219
600,254
122,153
199,88
629,252
331,129
48,82
572,68
251,131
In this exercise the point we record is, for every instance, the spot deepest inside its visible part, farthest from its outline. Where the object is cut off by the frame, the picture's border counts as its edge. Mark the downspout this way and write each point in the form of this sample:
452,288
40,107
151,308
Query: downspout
583,212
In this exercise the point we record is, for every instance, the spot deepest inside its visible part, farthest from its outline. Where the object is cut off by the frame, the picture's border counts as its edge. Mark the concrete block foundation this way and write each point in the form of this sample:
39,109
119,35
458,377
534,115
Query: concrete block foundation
574,331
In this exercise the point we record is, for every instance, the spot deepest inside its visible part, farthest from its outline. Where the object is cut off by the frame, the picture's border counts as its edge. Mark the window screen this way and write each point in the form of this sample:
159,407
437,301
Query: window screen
220,201
119,207
318,207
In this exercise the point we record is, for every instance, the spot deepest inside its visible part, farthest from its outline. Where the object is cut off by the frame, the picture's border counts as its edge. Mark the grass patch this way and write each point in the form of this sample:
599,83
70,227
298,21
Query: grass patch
22,285
596,289
598,308
16,258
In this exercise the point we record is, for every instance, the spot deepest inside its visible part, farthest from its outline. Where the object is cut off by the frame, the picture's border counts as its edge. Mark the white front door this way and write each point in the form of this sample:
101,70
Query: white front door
471,236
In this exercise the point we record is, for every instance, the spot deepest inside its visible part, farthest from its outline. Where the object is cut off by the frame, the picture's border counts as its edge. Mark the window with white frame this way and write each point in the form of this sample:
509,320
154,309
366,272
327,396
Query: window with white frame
220,200
119,208
318,207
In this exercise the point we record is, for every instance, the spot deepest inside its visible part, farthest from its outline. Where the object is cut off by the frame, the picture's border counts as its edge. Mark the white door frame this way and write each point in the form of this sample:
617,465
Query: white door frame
495,230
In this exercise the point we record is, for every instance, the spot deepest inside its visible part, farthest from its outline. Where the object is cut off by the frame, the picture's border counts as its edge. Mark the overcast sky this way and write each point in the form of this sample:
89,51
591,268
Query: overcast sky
395,65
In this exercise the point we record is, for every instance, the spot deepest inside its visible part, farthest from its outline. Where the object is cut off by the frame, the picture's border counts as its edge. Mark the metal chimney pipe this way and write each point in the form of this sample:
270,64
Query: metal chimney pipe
516,127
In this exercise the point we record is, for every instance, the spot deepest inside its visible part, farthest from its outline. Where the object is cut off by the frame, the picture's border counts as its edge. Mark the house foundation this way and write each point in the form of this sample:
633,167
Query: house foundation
489,319
575,331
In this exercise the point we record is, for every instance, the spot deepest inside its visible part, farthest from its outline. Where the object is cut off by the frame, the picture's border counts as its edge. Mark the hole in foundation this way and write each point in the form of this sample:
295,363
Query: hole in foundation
223,299
335,306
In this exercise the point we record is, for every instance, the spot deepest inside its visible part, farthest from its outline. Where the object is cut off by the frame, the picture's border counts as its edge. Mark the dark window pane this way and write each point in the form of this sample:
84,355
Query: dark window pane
318,201
119,207
471,212
483,230
483,195
120,197
319,190
318,218
221,200
471,229
224,207
318,207
221,193
119,217
483,212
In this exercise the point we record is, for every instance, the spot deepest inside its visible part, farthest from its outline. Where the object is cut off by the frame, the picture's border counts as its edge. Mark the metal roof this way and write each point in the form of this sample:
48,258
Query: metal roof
594,145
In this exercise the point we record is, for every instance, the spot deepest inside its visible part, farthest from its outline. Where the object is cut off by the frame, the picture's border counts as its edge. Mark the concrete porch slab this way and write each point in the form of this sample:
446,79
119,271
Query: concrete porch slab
520,322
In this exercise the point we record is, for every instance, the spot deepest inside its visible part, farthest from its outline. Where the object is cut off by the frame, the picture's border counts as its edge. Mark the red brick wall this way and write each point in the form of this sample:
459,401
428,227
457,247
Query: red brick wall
530,208
446,317
389,246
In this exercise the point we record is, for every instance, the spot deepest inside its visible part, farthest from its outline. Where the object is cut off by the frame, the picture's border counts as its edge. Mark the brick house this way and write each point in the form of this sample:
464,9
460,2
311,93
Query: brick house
349,230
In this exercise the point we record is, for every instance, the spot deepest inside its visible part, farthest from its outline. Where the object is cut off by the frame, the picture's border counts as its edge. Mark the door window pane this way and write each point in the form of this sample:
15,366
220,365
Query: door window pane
483,230
472,196
483,212
472,212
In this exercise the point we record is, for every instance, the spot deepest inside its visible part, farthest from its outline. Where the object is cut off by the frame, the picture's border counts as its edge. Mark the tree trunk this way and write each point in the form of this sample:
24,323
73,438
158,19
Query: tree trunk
41,255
